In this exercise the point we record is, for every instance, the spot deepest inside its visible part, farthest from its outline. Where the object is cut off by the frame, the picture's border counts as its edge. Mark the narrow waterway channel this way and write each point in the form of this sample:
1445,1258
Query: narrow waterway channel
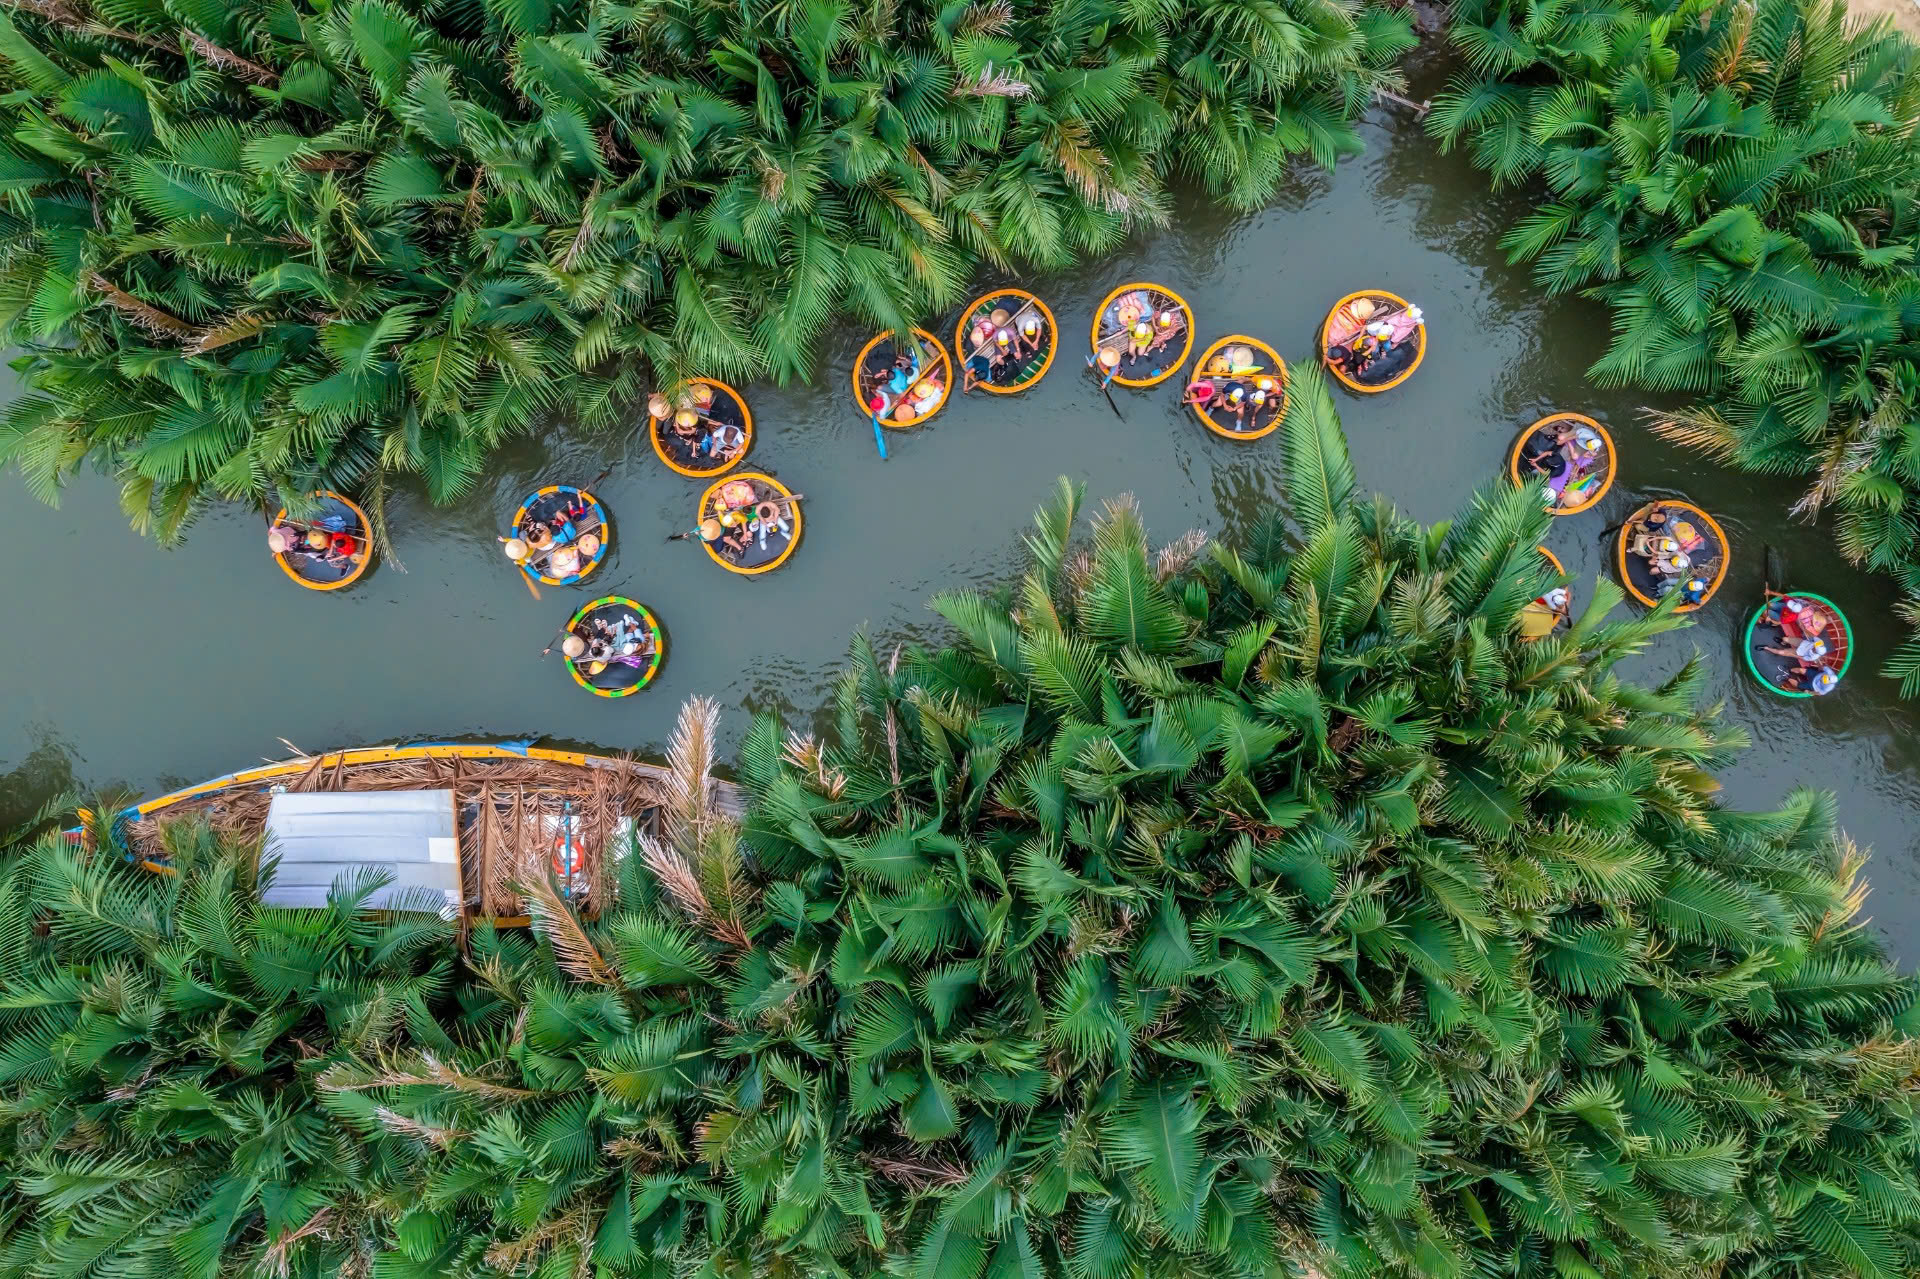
136,667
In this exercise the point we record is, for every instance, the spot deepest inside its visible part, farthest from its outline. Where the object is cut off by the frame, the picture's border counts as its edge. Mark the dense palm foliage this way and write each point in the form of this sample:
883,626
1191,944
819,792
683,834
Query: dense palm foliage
1198,913
267,244
1741,183
160,1036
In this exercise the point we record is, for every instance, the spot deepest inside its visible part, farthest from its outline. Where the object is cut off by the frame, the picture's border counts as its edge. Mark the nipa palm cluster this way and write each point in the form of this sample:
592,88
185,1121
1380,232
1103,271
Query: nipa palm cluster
1204,910
276,244
1738,183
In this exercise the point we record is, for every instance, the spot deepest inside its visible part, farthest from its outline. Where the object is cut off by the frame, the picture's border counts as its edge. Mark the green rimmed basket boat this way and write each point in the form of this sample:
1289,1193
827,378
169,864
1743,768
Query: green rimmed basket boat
1766,667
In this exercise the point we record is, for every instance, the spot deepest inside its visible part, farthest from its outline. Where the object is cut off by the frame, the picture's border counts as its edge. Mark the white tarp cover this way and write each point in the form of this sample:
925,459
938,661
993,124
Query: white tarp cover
320,836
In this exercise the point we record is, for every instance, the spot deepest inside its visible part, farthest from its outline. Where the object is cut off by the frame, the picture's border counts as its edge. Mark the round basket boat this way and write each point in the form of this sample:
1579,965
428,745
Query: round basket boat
877,361
1538,618
1173,342
1342,325
1773,670
1260,420
711,446
758,507
1710,550
1566,494
1028,362
348,552
636,646
577,531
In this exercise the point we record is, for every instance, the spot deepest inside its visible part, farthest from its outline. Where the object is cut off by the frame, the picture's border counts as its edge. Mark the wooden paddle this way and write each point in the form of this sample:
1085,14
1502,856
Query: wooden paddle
1105,379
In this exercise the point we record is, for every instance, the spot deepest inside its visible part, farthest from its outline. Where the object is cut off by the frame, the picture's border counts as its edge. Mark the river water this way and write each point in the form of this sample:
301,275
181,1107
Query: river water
143,668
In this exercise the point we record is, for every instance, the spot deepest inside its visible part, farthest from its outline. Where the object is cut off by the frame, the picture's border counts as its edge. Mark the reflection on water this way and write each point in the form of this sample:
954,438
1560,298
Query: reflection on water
165,666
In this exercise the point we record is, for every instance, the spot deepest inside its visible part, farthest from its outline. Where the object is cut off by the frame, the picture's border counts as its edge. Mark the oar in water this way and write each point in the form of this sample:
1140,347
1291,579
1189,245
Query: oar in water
1776,570
879,437
787,500
1105,379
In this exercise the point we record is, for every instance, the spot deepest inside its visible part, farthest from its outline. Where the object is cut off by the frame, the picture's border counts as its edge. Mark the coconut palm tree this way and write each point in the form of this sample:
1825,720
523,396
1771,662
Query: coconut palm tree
256,247
1207,909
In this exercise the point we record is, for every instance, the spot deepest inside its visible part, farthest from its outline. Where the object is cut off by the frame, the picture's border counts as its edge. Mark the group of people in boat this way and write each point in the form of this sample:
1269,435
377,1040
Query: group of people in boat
560,544
1676,553
742,518
599,641
909,388
694,427
1232,385
1572,455
999,342
1803,628
1134,327
325,541
1363,334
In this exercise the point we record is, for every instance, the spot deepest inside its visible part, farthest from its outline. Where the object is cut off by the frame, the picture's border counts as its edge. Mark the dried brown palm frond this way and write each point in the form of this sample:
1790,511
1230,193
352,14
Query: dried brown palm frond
573,949
160,324
1702,429
992,84
684,793
987,19
425,1071
1850,452
1174,557
917,1171
407,1126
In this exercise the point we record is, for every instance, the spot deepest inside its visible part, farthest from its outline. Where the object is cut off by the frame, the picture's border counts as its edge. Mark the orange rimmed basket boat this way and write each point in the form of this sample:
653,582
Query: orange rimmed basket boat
726,424
338,564
1590,488
762,508
1341,326
1023,371
1273,409
878,359
1110,329
1713,549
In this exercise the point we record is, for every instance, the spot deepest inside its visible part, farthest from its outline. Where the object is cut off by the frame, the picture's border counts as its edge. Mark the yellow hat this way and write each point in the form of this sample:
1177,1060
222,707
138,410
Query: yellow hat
1164,319
702,394
1685,531
316,539
1362,309
686,417
1264,383
1142,329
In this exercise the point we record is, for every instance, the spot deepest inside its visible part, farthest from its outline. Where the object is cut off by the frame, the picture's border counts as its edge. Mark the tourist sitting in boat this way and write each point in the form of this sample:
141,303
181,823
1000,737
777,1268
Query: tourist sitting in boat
1692,591
1139,339
1808,652
725,442
1200,392
1166,325
1543,615
1797,619
1031,330
1109,362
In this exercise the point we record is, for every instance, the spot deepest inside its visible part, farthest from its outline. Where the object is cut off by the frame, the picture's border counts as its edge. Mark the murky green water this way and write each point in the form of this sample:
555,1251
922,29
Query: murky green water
139,667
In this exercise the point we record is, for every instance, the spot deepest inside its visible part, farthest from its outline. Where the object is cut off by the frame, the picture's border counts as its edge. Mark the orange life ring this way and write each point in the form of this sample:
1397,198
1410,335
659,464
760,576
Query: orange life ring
567,859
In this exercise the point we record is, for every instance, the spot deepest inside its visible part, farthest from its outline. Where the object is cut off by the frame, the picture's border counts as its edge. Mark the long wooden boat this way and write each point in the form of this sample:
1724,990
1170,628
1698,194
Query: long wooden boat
1170,325
927,391
1567,494
566,532
1252,369
516,814
622,646
1698,536
1539,617
348,548
1344,323
759,520
1776,673
1009,320
715,439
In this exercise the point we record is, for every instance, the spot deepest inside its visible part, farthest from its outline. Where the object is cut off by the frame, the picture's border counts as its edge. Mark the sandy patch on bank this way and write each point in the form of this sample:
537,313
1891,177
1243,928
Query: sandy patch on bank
1905,14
